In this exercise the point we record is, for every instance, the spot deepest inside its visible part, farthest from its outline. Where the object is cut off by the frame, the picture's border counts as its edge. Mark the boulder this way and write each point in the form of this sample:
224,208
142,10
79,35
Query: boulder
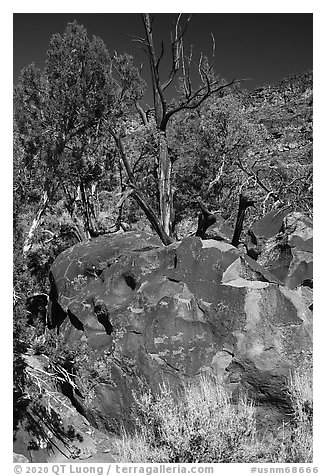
270,224
288,254
220,230
141,313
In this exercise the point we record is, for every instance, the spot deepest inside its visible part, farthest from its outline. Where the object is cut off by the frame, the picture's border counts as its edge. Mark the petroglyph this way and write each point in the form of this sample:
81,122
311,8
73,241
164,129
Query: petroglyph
135,310
220,306
164,353
178,337
187,302
179,351
200,336
160,340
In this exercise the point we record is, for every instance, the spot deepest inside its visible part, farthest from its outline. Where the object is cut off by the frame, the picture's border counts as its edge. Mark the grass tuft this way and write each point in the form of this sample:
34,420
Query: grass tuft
203,424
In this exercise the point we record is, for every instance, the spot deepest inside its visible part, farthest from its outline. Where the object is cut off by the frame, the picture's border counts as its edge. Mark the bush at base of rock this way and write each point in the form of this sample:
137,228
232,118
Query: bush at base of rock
205,426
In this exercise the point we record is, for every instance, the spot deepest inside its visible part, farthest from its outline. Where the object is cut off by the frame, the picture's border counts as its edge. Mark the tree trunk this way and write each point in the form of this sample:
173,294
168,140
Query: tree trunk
205,220
41,209
87,218
244,203
164,184
151,215
78,231
138,196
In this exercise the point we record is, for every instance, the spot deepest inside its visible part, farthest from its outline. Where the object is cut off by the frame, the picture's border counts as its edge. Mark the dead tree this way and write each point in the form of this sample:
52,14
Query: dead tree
244,203
192,98
205,220
47,195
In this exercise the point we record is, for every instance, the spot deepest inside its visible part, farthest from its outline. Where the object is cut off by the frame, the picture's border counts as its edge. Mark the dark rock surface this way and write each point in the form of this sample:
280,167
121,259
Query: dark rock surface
285,243
149,312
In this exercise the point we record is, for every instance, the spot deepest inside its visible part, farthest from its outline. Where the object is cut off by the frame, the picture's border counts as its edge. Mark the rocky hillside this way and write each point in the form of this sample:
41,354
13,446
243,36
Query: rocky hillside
286,107
286,110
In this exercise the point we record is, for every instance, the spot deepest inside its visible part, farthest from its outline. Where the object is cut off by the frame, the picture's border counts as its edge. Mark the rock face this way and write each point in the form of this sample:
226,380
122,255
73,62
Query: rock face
148,312
219,230
285,243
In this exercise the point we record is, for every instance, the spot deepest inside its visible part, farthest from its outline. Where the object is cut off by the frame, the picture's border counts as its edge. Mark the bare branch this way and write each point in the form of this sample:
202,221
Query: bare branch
142,113
52,236
200,68
138,39
159,100
177,26
205,220
141,156
44,201
197,98
124,195
247,182
257,180
176,46
219,175
137,194
185,86
184,29
269,194
188,72
190,56
123,156
160,57
213,48
167,83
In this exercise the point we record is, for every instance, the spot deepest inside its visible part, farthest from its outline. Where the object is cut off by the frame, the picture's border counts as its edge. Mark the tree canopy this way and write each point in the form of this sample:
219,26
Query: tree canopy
86,148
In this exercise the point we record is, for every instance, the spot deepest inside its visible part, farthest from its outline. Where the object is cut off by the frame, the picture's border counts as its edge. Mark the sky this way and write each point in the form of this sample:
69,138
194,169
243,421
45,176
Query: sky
264,47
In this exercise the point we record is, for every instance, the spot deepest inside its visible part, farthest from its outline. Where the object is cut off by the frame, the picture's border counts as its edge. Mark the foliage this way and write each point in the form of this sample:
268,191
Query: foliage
62,116
210,142
236,143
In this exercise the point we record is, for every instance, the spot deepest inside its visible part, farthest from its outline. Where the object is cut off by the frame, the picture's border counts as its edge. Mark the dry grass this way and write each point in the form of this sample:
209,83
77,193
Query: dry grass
206,426
296,442
202,426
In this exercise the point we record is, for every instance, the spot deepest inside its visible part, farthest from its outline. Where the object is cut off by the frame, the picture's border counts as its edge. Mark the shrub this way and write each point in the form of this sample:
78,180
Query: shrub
296,442
205,425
